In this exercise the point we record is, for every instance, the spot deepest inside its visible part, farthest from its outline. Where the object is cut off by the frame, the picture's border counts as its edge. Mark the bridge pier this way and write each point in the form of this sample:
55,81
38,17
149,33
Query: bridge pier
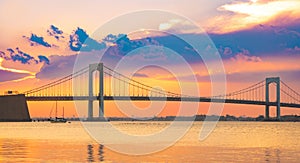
92,69
90,102
269,81
101,96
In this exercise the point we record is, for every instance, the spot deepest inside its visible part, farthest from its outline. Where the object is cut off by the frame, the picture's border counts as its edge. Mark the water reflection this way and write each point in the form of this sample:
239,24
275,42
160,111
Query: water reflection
100,153
90,153
230,142
267,155
272,155
277,155
11,148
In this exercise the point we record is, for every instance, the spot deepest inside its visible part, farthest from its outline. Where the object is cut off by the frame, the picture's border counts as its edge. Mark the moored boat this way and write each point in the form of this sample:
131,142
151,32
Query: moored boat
58,119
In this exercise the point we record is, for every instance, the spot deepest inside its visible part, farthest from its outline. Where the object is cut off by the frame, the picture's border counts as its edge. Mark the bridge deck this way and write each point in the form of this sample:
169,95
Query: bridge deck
146,98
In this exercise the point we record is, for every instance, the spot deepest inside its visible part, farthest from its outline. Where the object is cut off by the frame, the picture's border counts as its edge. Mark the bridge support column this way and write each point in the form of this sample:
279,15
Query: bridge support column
275,80
92,69
101,97
90,102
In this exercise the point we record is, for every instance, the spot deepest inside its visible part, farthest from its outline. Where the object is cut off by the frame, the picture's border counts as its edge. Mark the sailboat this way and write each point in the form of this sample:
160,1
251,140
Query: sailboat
57,119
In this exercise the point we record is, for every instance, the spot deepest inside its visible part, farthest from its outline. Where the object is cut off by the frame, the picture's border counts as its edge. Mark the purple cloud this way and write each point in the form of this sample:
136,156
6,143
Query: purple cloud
8,75
124,45
227,51
60,66
140,75
260,40
244,55
286,75
3,55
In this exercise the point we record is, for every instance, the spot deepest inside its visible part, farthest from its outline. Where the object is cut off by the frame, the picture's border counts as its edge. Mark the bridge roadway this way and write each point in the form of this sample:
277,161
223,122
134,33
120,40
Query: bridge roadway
146,98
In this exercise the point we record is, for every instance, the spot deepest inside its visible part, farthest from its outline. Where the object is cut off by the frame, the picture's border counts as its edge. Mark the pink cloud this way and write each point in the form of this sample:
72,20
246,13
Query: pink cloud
244,56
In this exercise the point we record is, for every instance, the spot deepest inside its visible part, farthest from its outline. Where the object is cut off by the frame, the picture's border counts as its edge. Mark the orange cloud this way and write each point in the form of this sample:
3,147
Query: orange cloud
245,15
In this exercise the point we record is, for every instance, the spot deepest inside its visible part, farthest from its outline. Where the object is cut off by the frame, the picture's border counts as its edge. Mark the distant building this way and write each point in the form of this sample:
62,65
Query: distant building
9,92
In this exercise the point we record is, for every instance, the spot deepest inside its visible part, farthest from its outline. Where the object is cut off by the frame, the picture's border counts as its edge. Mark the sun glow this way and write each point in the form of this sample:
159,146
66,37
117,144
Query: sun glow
261,11
245,15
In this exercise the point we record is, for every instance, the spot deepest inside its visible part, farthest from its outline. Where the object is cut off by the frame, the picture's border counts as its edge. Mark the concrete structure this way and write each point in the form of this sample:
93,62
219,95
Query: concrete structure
92,69
275,80
13,108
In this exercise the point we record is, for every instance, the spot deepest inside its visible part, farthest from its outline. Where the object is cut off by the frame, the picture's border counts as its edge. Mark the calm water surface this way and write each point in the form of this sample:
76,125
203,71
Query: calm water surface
229,142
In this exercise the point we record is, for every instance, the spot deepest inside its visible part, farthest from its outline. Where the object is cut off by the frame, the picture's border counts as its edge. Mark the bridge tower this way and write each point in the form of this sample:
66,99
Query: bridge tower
92,68
269,81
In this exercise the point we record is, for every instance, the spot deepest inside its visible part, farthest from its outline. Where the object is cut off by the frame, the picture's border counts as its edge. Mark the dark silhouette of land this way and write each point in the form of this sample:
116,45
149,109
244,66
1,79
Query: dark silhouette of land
285,118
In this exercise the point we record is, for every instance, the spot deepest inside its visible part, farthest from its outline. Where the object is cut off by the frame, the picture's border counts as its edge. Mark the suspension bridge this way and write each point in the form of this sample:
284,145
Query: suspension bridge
111,85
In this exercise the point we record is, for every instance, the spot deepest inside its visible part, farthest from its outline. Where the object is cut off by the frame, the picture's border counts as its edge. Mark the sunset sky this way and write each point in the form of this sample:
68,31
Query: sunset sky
39,41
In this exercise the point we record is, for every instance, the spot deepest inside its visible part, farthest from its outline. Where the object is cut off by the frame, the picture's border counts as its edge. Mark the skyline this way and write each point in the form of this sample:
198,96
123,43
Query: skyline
255,39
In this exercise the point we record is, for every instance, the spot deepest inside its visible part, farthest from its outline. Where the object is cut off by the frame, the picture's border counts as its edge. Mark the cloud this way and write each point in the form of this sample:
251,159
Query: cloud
36,40
80,41
243,77
281,30
123,45
244,55
11,74
296,50
17,55
44,59
6,75
259,10
178,26
110,38
259,40
140,75
286,75
188,78
241,15
3,55
55,32
168,49
293,50
226,51
60,66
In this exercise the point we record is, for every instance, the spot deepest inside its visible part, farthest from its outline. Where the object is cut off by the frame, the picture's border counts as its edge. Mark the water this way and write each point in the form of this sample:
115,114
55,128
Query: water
230,142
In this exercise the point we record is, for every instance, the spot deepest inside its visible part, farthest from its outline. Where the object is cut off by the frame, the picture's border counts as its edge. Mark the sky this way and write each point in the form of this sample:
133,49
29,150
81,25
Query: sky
40,40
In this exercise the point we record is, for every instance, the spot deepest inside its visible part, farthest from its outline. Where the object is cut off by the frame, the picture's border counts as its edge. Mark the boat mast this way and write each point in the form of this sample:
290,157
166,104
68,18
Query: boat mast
56,110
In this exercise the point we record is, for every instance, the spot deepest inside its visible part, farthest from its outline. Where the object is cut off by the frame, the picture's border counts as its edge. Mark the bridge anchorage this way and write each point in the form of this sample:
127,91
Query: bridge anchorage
111,85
